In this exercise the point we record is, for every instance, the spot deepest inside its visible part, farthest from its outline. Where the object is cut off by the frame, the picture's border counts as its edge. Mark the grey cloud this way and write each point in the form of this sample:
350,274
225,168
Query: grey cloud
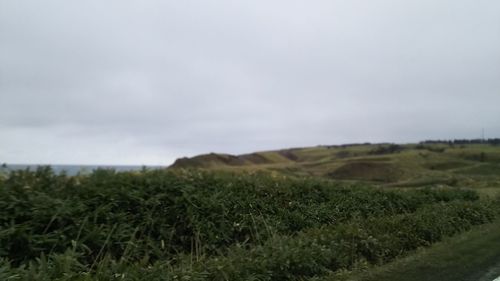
149,81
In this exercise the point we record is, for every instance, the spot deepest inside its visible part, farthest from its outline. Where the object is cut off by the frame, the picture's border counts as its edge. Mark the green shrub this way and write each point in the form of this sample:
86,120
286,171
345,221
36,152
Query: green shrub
213,226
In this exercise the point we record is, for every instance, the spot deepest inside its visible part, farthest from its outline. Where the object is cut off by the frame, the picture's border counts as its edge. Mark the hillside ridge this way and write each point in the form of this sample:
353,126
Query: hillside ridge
439,162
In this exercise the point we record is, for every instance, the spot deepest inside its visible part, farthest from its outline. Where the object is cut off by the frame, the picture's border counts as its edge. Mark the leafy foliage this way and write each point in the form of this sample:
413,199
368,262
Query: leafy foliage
192,225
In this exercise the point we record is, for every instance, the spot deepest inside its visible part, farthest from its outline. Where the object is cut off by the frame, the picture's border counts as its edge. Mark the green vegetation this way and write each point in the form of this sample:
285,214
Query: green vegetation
463,163
198,225
472,256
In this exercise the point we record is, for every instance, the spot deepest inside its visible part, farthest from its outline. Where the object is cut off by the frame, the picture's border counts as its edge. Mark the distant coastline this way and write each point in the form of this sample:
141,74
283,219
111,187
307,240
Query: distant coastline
72,170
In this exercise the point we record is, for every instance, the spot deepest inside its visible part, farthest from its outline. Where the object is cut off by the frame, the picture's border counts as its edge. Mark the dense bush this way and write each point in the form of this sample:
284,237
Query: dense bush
214,225
322,250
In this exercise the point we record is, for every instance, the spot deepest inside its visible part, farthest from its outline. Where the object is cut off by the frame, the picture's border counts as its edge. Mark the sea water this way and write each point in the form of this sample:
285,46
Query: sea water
72,170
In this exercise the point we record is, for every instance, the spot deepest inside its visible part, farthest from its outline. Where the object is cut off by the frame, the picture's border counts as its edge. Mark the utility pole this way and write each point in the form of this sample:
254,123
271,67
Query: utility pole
482,135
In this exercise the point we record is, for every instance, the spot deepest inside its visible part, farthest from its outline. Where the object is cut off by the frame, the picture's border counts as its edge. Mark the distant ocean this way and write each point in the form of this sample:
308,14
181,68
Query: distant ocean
75,169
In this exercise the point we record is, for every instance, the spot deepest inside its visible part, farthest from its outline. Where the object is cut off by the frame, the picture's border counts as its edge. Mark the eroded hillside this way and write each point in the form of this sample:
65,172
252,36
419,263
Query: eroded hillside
386,164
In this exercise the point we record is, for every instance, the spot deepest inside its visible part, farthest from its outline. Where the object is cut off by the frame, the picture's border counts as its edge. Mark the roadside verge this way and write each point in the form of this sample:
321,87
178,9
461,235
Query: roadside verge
472,256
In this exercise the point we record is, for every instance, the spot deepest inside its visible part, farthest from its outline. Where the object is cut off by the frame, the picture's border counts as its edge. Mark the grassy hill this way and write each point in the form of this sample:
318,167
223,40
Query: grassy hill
221,217
408,165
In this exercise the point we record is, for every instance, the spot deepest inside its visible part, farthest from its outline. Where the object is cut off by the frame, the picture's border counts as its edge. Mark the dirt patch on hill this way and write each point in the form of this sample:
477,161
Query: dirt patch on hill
255,158
369,171
208,160
288,154
219,160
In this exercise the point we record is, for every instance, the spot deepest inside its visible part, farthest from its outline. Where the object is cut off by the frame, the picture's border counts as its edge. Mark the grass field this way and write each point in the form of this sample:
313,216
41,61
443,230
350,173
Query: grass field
364,212
472,256
472,165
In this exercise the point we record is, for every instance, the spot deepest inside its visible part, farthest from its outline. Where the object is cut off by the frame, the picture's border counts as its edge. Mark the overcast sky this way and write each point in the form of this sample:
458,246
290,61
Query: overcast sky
145,82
